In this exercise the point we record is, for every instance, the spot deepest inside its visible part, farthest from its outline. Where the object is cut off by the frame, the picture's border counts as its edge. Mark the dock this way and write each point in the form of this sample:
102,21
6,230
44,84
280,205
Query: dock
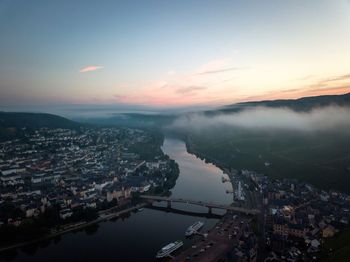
218,243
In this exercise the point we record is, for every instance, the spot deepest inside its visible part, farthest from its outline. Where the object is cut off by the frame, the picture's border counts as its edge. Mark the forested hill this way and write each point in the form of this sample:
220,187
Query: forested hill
11,123
301,104
317,156
34,120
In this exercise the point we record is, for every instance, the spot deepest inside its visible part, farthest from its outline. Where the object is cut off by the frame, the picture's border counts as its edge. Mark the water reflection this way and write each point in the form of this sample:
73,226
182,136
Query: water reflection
186,212
198,180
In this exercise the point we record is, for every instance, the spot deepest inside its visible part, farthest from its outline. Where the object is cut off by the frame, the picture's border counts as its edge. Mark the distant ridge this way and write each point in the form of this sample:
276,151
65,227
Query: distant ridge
35,120
300,104
12,123
139,120
17,121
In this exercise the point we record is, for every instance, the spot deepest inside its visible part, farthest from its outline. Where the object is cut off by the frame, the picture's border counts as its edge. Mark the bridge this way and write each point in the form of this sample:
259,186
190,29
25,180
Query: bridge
184,212
209,205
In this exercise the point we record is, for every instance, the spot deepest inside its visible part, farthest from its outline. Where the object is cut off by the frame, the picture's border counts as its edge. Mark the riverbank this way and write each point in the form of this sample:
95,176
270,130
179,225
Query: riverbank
250,202
191,150
146,231
78,226
217,243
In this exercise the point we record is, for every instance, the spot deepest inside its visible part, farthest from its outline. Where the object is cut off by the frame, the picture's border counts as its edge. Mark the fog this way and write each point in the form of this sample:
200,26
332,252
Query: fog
264,118
77,112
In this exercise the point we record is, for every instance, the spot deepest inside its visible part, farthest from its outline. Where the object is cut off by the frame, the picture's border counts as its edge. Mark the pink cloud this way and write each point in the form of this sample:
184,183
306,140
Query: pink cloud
90,69
180,89
161,94
213,65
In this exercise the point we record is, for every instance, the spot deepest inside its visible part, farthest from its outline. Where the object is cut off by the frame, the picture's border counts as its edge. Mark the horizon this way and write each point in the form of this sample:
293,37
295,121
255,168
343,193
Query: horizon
170,56
86,111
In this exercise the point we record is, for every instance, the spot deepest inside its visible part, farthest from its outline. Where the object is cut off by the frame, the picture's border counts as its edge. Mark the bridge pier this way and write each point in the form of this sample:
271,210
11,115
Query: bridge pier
168,204
209,210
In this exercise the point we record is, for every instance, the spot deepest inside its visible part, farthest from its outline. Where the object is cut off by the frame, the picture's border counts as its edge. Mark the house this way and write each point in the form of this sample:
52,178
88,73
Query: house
117,191
90,204
344,220
285,229
314,246
142,187
66,213
153,165
14,222
328,231
315,243
138,184
31,211
10,177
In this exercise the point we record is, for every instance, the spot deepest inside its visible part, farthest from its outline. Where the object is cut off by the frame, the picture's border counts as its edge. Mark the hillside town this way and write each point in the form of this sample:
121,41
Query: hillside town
296,218
55,177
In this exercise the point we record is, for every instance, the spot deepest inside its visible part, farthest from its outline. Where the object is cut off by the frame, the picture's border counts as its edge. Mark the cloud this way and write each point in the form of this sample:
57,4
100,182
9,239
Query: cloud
331,85
217,66
335,79
189,89
90,69
220,90
161,93
195,87
222,70
263,118
333,90
339,80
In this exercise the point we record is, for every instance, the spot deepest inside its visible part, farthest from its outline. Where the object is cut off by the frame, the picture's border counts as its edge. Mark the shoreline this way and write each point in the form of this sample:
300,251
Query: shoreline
102,215
190,149
78,226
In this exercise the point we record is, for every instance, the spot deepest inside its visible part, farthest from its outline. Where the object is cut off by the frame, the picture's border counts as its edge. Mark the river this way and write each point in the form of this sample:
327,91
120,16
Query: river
139,236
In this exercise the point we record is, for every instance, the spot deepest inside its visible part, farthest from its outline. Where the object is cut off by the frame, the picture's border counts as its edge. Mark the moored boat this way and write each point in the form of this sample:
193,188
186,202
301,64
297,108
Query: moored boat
168,249
194,228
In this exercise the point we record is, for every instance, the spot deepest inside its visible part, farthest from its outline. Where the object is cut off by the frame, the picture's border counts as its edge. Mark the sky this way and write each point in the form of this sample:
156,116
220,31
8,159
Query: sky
171,53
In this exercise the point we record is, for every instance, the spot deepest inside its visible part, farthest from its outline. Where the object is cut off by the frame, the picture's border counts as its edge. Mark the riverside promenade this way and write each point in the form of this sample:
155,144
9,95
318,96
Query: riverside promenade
104,215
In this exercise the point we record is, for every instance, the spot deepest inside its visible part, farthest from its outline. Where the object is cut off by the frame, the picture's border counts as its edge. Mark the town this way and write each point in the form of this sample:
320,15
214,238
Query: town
54,179
295,221
296,218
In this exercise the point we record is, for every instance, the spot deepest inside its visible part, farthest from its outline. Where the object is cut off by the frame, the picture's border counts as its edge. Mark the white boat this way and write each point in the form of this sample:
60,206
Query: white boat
168,249
194,228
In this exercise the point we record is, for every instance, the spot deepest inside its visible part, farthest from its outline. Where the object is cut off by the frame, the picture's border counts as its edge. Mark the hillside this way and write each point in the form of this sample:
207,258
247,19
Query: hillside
12,123
139,120
322,158
300,104
319,156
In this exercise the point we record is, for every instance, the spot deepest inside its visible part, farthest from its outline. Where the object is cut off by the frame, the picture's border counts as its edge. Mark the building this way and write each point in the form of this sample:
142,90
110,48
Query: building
294,230
118,192
328,231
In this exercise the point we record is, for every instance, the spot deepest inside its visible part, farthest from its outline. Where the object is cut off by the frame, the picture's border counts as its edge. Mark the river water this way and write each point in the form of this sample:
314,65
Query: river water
140,235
